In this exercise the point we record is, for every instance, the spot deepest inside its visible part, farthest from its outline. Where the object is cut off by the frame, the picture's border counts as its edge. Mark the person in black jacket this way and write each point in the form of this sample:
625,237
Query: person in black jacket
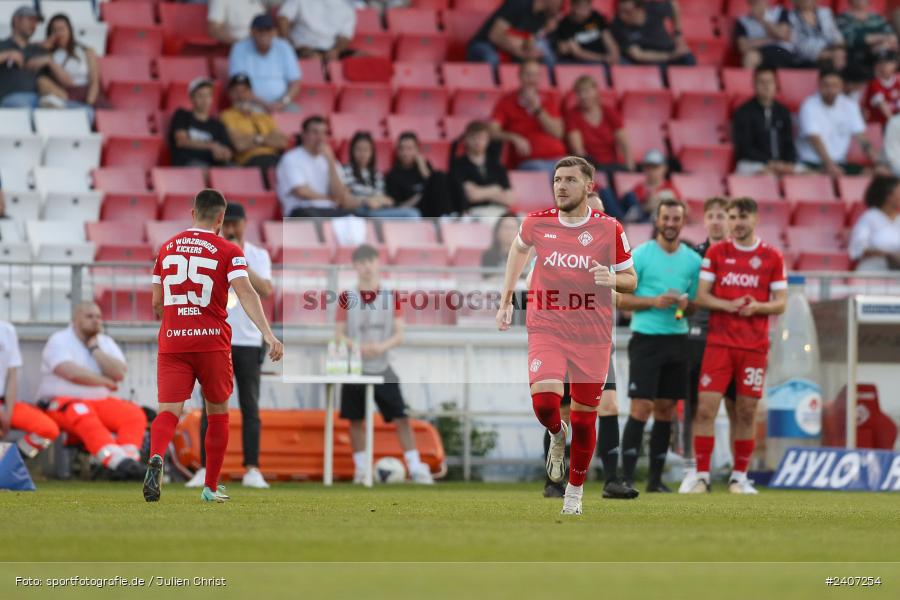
762,130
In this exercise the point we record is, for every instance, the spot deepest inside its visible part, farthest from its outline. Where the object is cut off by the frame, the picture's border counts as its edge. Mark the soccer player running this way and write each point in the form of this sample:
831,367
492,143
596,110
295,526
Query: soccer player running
191,277
582,256
742,283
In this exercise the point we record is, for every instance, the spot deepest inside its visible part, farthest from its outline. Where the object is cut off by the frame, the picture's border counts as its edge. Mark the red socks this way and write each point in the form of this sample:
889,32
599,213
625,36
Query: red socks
546,408
216,443
743,450
584,440
703,449
161,432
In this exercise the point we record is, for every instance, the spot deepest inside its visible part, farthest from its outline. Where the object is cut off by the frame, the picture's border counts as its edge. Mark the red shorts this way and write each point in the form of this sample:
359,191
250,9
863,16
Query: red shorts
722,364
177,371
550,357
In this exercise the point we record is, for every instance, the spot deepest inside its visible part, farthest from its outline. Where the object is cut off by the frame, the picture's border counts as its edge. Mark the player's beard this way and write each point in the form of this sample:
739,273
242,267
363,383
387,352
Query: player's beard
568,204
741,234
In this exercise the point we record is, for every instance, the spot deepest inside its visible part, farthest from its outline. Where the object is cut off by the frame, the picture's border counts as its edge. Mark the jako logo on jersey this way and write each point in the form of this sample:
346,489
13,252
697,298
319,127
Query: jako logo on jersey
535,365
741,280
585,238
551,236
572,261
238,261
705,380
755,262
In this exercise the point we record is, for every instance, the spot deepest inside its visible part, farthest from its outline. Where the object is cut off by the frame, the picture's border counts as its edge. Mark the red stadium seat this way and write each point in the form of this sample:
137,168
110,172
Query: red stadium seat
737,83
509,78
625,182
628,78
311,69
772,235
132,151
119,233
647,106
698,26
823,261
683,134
344,125
124,68
122,122
707,159
368,20
808,187
476,76
177,96
455,126
259,206
703,106
811,213
461,25
476,235
486,5
432,4
409,234
236,180
295,234
122,206
374,44
120,180
184,28
133,14
643,137
361,69
145,95
315,98
774,212
426,128
875,6
694,233
144,40
478,104
567,75
438,256
430,101
754,186
852,188
371,237
437,152
126,305
709,51
412,21
875,136
699,185
428,48
160,231
414,74
293,308
365,98
701,7
181,69
532,190
289,123
813,239
138,253
692,79
177,180
795,86
638,233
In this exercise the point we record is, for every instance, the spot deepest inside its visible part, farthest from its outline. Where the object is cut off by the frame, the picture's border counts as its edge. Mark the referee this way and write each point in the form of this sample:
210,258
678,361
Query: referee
658,351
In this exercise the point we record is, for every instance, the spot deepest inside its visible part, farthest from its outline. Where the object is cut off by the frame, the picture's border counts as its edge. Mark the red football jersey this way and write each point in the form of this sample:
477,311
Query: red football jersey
736,272
563,299
882,91
195,269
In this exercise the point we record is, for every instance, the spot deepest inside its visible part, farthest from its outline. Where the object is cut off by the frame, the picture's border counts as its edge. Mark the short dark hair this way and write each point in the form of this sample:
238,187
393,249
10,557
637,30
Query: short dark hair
209,204
583,81
764,68
313,120
671,202
637,3
364,252
587,169
744,205
526,62
715,201
476,127
828,71
879,190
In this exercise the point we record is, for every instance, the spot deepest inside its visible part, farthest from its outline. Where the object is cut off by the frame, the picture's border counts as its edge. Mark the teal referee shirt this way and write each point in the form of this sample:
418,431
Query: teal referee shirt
658,272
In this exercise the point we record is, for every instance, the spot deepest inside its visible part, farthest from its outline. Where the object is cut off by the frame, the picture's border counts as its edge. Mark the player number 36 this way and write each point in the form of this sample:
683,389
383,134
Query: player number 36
188,269
754,377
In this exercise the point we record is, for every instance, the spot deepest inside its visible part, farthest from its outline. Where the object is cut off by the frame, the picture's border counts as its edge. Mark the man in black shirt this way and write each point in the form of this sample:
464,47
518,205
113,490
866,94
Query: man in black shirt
196,138
762,130
640,31
583,36
21,62
480,183
518,29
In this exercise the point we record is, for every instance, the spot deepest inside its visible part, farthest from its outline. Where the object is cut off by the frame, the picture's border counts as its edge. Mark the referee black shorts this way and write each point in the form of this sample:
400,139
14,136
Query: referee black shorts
387,397
658,366
609,385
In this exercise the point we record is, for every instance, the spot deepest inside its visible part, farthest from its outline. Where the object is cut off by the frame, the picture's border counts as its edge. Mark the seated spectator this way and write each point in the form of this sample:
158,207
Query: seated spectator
316,28
596,132
762,39
196,138
583,36
516,30
866,33
892,144
856,81
252,131
38,428
414,182
814,34
828,122
875,239
80,367
639,204
23,78
640,31
882,98
271,63
229,20
365,183
506,228
79,72
530,121
309,176
480,183
762,130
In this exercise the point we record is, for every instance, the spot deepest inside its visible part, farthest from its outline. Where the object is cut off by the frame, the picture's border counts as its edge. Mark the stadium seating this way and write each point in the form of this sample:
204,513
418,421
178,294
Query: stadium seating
532,190
762,186
698,185
808,187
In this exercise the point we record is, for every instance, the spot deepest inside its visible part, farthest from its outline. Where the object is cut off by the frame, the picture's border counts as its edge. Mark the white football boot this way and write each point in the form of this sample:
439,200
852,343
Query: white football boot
198,480
556,457
572,500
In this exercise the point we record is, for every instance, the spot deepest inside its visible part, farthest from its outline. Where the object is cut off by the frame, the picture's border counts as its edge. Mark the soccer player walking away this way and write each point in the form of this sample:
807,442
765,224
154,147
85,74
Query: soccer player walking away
742,283
667,273
191,278
582,256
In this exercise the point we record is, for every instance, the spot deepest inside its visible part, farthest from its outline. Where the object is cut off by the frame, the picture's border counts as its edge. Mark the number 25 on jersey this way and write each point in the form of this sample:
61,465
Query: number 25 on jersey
188,269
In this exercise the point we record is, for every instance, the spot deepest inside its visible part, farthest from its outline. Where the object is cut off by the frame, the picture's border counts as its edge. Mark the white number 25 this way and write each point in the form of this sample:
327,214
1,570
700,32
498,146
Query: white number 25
186,269
754,377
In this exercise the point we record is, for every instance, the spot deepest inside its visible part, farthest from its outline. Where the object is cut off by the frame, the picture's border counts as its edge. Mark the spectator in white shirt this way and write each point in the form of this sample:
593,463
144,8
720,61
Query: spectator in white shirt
317,28
309,176
80,368
875,239
229,20
247,351
40,430
829,122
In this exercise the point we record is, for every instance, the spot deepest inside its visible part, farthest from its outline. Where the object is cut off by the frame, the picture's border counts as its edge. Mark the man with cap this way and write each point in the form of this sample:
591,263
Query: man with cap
21,62
639,203
254,134
271,64
247,349
196,138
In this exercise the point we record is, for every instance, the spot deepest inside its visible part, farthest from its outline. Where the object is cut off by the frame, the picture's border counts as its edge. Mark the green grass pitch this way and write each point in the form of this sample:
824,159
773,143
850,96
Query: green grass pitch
449,541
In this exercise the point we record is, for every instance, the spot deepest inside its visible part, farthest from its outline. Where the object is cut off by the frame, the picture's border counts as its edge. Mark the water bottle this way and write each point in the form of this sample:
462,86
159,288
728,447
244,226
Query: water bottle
356,360
332,362
794,393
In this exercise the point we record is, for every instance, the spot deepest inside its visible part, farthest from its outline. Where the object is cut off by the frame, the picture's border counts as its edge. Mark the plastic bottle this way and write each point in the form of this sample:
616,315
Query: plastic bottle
355,360
794,393
332,366
343,358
